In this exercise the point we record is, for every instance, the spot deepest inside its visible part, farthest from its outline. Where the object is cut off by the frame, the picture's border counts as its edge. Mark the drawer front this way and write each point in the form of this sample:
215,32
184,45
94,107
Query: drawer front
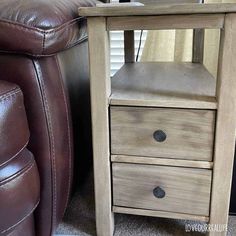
172,189
161,132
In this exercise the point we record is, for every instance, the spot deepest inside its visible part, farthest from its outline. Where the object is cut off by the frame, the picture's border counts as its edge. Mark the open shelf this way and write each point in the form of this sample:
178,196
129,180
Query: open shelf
164,84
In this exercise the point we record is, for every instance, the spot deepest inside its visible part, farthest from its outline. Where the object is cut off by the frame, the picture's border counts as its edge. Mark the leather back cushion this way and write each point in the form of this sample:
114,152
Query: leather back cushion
41,27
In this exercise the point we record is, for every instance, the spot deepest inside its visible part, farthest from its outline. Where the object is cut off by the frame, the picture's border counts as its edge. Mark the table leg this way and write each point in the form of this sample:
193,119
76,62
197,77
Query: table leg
226,124
100,91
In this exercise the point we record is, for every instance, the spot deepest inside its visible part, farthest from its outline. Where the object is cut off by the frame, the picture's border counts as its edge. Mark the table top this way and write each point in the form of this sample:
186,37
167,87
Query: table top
158,9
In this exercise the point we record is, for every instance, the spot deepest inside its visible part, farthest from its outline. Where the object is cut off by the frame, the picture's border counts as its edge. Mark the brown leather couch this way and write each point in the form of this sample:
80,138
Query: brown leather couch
43,49
19,178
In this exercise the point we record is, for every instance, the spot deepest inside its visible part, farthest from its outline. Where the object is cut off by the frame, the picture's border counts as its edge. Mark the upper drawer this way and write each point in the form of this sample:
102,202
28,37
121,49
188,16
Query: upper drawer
161,132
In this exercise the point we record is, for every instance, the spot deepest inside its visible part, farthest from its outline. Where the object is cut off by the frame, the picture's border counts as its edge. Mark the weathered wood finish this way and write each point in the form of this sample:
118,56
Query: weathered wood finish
190,133
161,161
100,90
198,46
165,22
198,43
187,190
159,9
182,85
163,214
225,126
129,46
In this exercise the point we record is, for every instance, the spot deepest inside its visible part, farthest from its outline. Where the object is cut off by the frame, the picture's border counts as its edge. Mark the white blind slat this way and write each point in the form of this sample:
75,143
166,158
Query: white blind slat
117,48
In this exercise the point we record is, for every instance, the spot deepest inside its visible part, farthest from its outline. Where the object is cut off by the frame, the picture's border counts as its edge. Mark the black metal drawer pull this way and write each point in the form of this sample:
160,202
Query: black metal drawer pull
159,136
158,192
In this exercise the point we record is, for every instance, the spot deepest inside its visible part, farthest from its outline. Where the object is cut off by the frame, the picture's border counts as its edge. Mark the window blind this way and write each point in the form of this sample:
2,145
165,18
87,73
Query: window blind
117,48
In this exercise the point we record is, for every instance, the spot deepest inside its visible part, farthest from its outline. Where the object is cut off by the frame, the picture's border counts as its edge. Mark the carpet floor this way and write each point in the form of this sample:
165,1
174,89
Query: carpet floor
79,220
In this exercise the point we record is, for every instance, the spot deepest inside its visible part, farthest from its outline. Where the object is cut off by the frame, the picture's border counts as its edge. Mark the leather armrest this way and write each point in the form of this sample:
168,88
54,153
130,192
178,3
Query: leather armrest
19,194
14,131
39,27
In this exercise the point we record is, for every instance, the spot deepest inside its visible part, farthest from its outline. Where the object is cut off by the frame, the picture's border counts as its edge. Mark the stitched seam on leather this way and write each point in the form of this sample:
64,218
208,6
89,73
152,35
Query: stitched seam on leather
43,44
51,138
42,31
68,129
21,26
44,108
46,55
62,27
4,163
18,175
24,218
9,95
53,151
47,31
10,90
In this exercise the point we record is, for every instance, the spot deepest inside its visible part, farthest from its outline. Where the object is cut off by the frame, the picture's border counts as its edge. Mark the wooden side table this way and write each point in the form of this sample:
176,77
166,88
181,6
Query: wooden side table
163,133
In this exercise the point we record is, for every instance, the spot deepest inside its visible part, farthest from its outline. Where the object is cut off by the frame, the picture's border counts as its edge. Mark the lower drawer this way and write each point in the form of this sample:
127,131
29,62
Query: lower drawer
163,188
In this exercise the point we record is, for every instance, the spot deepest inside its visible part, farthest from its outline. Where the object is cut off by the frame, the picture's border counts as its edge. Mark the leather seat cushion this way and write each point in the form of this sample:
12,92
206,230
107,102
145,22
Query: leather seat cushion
41,27
14,132
19,191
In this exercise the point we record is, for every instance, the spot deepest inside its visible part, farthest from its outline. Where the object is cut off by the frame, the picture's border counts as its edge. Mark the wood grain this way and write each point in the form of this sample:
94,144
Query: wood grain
100,90
164,84
129,46
207,21
190,133
198,46
225,127
159,9
198,43
187,190
163,214
161,161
